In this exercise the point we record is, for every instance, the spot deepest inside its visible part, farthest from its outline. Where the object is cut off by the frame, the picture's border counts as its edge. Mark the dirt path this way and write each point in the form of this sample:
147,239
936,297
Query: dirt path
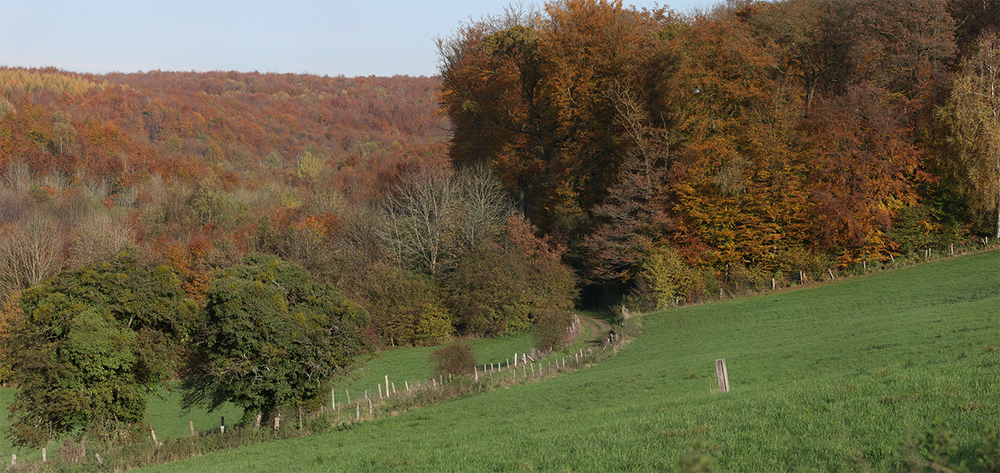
599,330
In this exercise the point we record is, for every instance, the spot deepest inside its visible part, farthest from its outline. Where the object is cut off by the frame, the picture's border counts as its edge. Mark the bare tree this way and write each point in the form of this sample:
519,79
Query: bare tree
434,216
30,252
417,220
100,237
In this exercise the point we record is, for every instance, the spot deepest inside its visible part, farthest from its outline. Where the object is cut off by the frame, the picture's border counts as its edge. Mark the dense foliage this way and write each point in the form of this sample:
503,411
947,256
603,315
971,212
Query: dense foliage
739,136
91,345
271,337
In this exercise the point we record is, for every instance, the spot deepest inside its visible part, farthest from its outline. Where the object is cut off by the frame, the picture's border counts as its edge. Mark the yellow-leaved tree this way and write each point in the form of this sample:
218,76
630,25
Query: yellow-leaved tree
973,112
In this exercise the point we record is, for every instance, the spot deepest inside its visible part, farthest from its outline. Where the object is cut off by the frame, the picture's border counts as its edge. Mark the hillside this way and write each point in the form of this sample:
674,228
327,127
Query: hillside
838,378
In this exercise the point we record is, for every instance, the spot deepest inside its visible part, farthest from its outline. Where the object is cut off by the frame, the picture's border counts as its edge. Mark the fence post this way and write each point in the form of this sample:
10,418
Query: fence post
722,375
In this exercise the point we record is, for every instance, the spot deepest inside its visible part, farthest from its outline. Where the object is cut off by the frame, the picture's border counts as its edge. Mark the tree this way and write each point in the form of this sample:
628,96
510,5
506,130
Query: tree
529,93
863,169
434,216
502,286
973,112
270,337
29,252
10,315
404,307
93,343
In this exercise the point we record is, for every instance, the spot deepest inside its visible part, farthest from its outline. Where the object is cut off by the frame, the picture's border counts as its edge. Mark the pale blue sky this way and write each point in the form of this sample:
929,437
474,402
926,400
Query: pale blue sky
353,38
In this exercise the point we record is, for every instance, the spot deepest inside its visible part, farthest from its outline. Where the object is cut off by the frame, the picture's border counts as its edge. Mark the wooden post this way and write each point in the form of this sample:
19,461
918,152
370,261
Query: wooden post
348,395
370,407
357,411
722,375
772,284
153,434
277,423
407,385
386,385
191,424
380,391
333,399
13,459
44,458
256,422
222,425
476,370
831,273
393,389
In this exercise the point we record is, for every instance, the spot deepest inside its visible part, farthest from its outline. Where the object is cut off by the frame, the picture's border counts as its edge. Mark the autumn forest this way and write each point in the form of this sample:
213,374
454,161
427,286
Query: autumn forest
582,153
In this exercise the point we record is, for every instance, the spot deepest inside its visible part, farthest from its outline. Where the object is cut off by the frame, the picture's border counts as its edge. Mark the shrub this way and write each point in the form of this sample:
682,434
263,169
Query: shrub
404,307
552,329
456,359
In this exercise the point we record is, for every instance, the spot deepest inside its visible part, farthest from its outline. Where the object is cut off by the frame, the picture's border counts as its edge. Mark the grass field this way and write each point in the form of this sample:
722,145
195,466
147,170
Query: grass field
834,378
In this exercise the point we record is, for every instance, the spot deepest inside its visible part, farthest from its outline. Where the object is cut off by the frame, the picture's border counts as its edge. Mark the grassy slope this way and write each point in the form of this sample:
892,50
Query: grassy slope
413,365
825,377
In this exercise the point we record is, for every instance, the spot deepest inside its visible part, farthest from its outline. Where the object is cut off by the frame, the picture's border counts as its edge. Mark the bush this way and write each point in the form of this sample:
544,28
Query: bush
404,307
552,329
455,359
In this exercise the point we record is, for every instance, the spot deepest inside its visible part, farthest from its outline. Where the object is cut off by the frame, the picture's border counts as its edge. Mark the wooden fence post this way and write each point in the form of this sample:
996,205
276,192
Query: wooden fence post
722,375
191,424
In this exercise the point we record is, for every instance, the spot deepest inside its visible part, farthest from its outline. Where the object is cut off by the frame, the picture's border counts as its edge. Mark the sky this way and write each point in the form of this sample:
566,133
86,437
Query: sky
333,37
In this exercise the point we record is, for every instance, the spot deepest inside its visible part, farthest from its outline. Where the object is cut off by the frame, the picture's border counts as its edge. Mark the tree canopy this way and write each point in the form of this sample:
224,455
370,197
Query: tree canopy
91,345
271,337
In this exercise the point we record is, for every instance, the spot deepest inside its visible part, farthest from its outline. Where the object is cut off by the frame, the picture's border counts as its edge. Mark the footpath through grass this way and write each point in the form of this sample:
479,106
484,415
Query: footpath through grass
837,378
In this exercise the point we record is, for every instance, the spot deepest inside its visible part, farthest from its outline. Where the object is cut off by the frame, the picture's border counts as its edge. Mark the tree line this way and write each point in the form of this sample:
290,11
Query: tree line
754,139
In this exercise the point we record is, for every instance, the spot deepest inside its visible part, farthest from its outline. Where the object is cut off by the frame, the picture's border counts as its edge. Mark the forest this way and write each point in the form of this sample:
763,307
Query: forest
582,153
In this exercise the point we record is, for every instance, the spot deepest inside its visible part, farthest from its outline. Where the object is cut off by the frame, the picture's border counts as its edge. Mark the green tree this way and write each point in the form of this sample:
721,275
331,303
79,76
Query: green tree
405,307
504,285
270,337
93,343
